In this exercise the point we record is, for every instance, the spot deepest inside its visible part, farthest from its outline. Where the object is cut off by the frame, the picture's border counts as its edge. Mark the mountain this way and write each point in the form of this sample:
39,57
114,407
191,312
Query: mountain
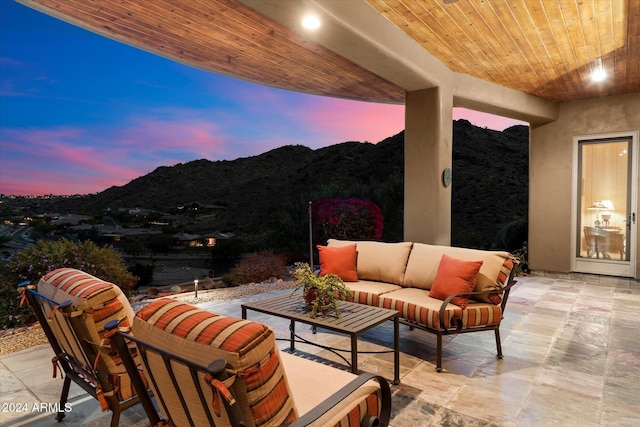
490,185
490,182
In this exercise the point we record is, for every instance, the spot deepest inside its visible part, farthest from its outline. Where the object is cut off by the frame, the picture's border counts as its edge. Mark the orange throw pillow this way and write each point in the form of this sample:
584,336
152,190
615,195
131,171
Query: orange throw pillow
454,276
339,260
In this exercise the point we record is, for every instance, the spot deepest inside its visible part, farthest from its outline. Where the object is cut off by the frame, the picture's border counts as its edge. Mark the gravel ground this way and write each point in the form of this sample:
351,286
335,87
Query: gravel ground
12,340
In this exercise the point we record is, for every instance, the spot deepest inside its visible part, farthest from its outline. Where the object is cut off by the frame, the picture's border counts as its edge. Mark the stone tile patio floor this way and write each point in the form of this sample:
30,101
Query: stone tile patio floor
571,358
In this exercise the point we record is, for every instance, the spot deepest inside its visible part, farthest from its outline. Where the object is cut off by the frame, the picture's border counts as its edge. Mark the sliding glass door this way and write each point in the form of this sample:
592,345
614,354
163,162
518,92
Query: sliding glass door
605,204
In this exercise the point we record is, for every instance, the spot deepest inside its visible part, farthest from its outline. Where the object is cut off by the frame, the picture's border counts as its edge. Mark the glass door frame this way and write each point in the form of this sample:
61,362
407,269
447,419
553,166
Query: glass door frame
612,267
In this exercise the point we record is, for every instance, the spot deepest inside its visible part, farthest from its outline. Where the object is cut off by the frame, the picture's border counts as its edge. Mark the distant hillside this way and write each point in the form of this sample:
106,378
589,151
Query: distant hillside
270,191
490,181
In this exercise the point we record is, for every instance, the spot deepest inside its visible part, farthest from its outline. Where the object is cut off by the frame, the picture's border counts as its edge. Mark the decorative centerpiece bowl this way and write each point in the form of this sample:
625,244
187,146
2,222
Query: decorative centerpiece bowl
320,293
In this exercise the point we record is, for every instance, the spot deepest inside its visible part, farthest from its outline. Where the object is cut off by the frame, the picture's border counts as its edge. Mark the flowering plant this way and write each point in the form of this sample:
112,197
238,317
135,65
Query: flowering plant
350,219
38,259
319,291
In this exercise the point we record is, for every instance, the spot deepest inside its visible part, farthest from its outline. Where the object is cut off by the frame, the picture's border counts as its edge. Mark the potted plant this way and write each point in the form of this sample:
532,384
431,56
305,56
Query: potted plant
320,293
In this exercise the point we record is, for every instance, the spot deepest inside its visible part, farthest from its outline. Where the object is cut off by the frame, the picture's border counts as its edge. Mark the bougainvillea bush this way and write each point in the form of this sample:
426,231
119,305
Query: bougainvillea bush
347,218
42,257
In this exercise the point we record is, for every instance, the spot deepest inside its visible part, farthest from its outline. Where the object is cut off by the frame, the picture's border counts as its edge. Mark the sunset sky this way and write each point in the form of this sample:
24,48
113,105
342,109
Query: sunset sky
80,113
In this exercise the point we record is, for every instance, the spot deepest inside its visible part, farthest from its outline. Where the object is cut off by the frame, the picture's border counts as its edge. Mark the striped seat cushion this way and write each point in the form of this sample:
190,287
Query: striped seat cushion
327,380
367,292
416,305
248,347
97,302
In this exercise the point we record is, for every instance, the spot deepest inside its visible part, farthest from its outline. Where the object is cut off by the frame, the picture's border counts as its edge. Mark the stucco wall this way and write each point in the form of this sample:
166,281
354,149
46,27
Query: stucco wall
428,151
550,169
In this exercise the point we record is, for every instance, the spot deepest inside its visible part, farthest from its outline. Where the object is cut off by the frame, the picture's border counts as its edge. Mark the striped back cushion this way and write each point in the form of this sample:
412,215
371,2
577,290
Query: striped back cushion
99,302
249,348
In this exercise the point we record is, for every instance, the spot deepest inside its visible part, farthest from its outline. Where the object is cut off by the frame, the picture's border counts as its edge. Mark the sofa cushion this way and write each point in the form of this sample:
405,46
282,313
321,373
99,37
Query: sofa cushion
368,292
416,305
379,261
424,260
339,260
201,336
97,302
455,276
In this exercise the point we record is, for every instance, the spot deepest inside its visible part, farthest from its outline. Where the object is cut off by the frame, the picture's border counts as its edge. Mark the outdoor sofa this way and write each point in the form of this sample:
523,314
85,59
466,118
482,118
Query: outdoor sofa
202,368
440,289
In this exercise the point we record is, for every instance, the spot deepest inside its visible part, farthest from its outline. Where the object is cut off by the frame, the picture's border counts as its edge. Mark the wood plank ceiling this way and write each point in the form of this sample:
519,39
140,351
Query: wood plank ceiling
542,47
546,48
226,37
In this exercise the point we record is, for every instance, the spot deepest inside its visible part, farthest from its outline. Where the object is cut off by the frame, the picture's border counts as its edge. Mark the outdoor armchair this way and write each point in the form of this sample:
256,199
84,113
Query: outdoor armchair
211,370
72,308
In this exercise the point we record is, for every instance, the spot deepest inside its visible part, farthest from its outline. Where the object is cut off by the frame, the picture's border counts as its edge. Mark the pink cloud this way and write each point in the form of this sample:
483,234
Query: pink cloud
69,160
317,121
198,136
342,120
56,162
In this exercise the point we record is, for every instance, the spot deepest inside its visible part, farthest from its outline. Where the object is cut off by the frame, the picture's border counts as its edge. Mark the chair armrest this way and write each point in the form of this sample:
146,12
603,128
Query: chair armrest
342,394
504,291
118,339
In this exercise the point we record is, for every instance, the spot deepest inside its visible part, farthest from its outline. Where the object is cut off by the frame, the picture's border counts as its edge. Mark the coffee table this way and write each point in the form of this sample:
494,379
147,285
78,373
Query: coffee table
354,319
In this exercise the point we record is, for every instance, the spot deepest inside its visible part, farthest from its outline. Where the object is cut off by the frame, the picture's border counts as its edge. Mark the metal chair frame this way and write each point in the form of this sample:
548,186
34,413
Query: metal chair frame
456,322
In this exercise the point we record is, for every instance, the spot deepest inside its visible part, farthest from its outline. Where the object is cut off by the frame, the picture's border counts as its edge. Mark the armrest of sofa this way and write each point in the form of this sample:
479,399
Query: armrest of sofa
332,401
503,291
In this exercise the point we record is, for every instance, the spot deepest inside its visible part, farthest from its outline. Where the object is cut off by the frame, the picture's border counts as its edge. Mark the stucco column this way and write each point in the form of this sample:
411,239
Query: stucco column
427,153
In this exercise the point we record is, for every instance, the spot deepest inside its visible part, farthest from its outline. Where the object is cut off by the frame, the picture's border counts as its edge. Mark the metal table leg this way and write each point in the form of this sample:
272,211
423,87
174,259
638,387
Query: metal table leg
354,353
292,329
396,350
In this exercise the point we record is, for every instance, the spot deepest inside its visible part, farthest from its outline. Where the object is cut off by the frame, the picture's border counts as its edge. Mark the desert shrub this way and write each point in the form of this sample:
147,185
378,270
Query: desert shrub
42,257
256,267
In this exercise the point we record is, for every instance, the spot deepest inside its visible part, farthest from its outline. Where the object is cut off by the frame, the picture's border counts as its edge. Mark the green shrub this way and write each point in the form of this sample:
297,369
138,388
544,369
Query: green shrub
42,257
256,267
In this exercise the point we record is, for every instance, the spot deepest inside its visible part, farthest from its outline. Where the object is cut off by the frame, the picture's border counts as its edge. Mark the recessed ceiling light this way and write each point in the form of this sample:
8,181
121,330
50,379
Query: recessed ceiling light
310,22
598,74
